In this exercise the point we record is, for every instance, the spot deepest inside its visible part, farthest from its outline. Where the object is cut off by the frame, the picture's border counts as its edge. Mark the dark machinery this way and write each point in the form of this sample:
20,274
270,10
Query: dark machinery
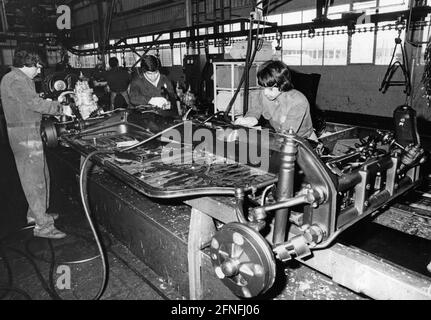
300,203
56,83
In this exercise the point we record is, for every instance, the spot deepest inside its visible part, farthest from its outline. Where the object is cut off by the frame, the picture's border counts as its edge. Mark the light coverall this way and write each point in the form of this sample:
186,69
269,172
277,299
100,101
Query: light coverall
23,109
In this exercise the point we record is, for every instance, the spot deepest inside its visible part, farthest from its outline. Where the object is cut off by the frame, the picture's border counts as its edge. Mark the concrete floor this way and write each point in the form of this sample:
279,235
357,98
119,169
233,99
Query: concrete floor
25,266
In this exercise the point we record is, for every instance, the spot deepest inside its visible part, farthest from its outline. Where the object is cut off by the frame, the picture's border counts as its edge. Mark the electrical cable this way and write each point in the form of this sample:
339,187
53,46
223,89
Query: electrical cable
249,62
85,168
13,289
42,280
232,101
30,252
152,137
83,178
51,271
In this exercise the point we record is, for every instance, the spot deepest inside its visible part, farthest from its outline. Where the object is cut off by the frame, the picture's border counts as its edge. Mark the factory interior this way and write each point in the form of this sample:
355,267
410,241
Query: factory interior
235,150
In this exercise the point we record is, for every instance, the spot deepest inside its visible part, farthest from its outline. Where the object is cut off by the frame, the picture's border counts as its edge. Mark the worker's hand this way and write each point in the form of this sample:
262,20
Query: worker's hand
66,110
62,98
160,102
246,121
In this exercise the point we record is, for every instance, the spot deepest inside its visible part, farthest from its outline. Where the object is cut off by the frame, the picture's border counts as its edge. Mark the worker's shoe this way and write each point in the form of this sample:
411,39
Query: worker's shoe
31,220
49,231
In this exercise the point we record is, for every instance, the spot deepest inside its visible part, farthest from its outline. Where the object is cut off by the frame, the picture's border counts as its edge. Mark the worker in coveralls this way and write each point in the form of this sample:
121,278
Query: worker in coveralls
23,109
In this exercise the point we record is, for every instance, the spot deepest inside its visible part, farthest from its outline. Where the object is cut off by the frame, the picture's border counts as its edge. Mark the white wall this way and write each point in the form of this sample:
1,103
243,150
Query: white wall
355,89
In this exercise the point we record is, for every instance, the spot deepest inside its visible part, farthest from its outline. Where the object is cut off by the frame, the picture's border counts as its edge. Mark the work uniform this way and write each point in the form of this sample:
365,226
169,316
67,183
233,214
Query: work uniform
23,110
290,110
142,90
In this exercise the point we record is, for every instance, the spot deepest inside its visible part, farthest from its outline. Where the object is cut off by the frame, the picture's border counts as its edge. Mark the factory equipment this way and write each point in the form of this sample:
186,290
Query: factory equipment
56,83
300,202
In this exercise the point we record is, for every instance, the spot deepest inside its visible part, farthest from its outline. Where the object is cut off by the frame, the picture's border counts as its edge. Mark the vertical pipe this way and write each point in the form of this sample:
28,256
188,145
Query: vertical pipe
285,187
188,4
248,62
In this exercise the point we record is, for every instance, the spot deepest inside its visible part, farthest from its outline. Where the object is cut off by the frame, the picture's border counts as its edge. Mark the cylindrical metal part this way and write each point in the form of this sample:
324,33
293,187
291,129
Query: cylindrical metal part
239,195
281,205
285,187
379,198
348,181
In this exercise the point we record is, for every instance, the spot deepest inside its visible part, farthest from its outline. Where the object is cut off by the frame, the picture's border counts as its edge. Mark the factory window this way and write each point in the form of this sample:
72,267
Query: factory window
385,44
164,36
276,18
291,18
312,49
325,48
392,5
232,27
166,56
335,46
362,46
308,15
334,12
178,50
177,56
291,49
426,33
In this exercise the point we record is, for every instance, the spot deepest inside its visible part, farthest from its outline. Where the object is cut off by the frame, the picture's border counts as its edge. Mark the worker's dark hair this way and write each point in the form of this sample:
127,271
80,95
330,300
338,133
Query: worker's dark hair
150,63
113,62
275,74
28,57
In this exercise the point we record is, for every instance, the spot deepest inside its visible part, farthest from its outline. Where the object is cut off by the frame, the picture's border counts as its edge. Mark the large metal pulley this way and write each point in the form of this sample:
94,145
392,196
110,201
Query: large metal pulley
243,260
48,132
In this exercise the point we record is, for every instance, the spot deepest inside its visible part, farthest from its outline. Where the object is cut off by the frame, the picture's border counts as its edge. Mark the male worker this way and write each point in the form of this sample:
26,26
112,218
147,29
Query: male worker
118,82
23,110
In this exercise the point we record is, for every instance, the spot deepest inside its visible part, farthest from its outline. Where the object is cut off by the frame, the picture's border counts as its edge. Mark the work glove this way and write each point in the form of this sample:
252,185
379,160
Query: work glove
160,102
246,121
66,110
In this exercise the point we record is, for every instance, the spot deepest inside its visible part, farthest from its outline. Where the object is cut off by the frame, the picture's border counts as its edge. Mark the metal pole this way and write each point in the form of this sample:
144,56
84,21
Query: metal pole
188,4
285,187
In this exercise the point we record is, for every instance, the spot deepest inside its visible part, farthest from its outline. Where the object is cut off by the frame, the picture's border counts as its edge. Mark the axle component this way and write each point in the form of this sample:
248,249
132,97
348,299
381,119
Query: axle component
243,260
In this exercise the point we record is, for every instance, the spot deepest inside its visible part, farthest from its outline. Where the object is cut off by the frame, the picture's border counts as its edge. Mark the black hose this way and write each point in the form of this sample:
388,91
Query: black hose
45,286
232,101
13,289
83,179
247,68
51,271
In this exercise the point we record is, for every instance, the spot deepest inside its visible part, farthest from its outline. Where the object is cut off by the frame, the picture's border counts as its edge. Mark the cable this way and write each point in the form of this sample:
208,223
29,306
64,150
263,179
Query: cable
51,271
45,286
152,137
30,252
13,289
84,198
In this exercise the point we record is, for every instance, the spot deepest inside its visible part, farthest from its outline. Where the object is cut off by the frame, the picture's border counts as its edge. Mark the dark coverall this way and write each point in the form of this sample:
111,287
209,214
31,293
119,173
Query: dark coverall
23,110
